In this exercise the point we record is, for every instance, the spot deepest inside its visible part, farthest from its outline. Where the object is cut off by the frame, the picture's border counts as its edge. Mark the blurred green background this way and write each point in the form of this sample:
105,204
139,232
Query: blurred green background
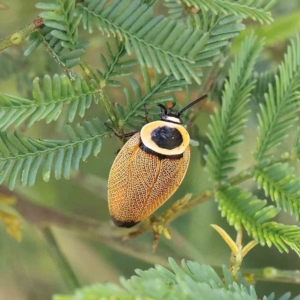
27,270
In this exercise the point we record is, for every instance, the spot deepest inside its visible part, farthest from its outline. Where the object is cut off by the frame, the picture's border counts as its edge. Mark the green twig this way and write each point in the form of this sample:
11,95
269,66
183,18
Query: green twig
88,71
103,97
205,196
108,107
20,35
42,217
64,266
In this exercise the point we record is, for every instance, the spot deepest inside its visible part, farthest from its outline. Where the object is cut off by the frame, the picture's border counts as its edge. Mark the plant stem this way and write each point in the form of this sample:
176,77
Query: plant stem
42,217
273,275
64,266
104,100
20,35
88,71
108,107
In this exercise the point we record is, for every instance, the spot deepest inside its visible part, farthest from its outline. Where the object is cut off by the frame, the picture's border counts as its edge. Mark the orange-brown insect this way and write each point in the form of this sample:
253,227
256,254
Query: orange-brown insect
149,168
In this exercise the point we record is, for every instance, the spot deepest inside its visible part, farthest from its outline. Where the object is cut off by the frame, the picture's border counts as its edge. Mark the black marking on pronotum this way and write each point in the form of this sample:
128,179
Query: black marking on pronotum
123,224
167,137
159,155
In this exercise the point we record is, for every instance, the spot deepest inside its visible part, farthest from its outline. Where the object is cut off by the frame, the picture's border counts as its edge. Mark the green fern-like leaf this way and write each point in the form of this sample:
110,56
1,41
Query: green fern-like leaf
194,20
60,33
244,8
52,94
175,9
113,65
227,123
49,97
279,182
190,281
159,42
241,208
262,82
21,155
286,296
159,92
282,102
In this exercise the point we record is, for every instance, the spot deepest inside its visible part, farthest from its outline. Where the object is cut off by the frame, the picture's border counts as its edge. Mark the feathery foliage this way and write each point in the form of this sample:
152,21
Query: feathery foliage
21,155
282,102
175,9
48,101
262,82
53,94
194,40
113,65
242,208
257,10
60,33
227,123
159,92
190,281
196,35
279,182
168,46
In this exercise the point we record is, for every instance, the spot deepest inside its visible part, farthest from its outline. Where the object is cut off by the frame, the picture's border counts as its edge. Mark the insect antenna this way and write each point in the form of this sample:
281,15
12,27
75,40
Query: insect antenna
191,104
163,108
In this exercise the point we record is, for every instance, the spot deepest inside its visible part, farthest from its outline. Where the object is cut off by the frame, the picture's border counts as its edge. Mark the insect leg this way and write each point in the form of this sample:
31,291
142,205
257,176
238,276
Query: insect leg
120,136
